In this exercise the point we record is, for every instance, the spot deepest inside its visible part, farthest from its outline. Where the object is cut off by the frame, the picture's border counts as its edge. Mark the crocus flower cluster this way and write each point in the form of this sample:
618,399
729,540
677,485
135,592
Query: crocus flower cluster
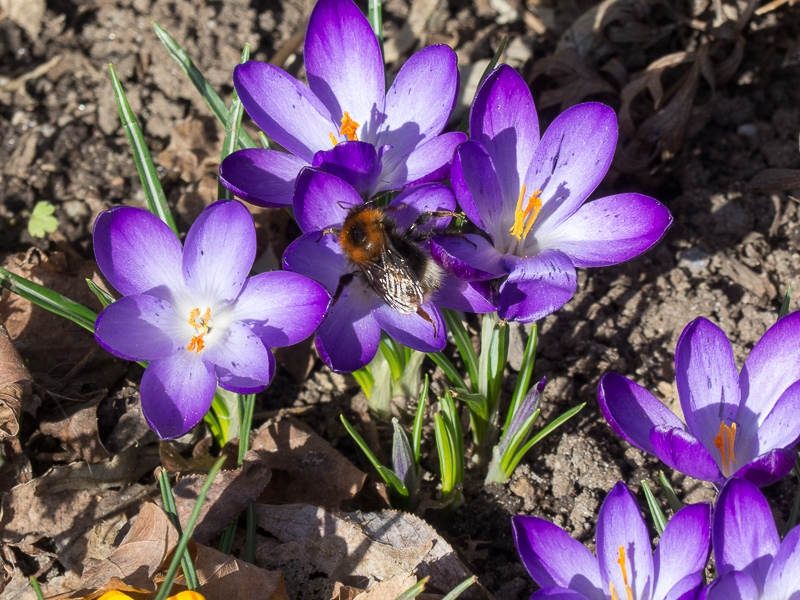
742,425
193,313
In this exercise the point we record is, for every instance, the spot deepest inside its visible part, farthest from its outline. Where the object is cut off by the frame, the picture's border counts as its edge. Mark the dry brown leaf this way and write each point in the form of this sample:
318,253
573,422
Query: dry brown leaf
78,432
389,589
15,386
776,180
305,467
231,492
576,79
356,549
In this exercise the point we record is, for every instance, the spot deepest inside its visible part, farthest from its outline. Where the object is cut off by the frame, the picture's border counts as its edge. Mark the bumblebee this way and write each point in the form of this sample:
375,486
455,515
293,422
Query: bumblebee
392,262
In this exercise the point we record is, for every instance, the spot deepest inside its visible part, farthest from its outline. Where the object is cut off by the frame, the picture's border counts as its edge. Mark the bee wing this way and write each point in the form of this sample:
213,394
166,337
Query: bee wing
394,281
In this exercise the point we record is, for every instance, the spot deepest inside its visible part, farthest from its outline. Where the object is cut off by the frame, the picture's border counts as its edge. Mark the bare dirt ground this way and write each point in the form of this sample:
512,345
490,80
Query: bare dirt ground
708,97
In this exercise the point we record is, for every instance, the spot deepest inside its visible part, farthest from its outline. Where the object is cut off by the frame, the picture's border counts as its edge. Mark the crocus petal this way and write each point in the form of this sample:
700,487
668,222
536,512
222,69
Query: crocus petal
348,337
242,385
683,548
414,330
421,98
456,294
570,161
632,411
430,161
536,286
176,393
553,558
503,120
686,589
357,163
780,428
743,532
731,586
344,64
680,450
768,468
609,230
322,200
557,593
281,307
240,352
478,190
773,365
407,207
138,253
620,525
319,257
261,177
782,580
219,252
707,380
284,108
140,328
468,257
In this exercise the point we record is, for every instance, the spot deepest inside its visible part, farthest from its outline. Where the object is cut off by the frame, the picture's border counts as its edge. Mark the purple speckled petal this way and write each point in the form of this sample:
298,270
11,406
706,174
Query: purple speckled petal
782,579
344,65
176,393
478,191
707,380
322,200
240,352
421,98
261,177
683,548
632,411
430,161
284,108
553,558
319,258
557,593
536,286
476,296
680,450
414,330
281,307
743,532
731,586
430,197
503,120
357,163
141,328
243,385
769,467
780,428
620,524
138,253
470,257
686,589
609,230
348,337
570,161
218,253
773,365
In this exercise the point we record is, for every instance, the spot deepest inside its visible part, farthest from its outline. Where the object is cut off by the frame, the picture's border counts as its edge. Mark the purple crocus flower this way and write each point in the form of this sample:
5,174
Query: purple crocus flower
624,567
750,557
736,424
528,195
349,335
344,120
193,313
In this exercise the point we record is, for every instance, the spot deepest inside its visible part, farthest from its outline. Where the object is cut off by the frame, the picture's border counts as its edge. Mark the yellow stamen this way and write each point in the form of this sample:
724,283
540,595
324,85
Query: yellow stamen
197,343
524,219
333,139
621,563
724,442
349,128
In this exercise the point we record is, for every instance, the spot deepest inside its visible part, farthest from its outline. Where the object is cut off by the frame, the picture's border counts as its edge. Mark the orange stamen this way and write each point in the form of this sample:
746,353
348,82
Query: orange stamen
724,442
621,563
349,128
524,219
333,139
197,343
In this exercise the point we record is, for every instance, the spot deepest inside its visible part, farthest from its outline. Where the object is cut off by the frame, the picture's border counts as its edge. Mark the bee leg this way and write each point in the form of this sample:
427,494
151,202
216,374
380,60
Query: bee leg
343,281
325,232
436,214
421,312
